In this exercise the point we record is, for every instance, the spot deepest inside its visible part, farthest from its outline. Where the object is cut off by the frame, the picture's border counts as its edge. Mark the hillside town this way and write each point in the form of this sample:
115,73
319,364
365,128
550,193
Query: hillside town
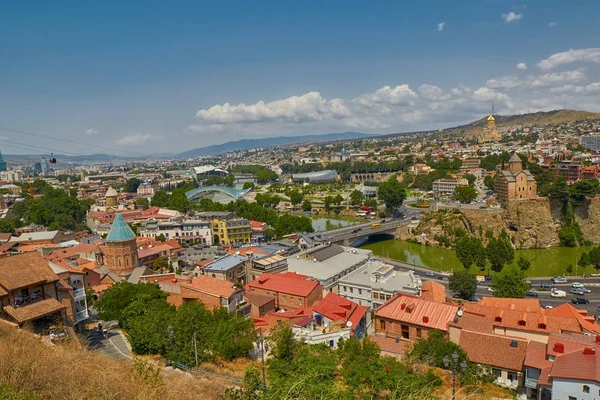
88,253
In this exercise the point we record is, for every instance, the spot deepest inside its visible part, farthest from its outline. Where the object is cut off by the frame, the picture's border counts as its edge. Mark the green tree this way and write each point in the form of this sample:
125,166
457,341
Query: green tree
161,238
465,194
569,269
296,197
463,283
132,185
433,350
470,178
500,252
584,260
248,185
392,193
523,264
7,226
161,263
306,206
179,201
356,197
252,387
559,191
370,202
115,299
143,202
160,199
510,282
233,334
469,251
594,257
489,182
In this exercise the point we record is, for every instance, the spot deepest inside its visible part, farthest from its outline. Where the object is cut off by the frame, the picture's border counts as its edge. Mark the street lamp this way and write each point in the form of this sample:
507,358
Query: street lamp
454,362
442,263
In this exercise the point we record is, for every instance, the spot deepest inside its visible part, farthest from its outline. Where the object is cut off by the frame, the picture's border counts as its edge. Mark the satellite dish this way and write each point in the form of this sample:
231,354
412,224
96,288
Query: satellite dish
349,324
459,312
499,381
508,383
523,396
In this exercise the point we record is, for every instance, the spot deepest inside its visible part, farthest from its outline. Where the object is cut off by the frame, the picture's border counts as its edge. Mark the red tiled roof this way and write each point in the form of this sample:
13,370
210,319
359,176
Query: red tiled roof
285,283
246,250
338,308
494,350
511,304
433,291
417,311
536,356
33,311
389,344
582,365
258,299
568,343
210,285
566,310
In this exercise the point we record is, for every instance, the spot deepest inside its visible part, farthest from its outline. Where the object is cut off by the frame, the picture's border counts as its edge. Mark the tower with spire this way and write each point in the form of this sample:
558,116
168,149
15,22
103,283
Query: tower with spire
490,133
2,163
120,253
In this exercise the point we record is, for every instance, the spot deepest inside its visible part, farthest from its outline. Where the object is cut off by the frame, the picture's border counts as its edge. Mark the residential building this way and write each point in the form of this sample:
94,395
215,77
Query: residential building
567,367
149,253
262,264
146,189
231,267
591,142
411,318
469,164
232,232
212,292
447,186
259,231
376,283
29,292
571,170
290,290
260,304
328,264
515,183
73,292
182,230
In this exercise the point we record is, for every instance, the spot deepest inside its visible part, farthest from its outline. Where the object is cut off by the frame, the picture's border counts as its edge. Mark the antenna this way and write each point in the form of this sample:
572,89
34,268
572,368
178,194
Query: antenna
492,108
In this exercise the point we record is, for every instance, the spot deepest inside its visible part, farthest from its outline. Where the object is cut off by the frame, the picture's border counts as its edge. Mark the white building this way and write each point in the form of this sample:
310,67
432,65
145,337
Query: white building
591,142
187,231
447,186
376,283
328,264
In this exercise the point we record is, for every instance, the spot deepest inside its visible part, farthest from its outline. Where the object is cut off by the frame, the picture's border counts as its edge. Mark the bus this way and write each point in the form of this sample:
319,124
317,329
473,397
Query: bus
375,226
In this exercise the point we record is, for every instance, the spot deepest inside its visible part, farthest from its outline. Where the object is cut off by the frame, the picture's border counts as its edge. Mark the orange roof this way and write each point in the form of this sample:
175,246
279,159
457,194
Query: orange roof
566,310
568,343
244,251
511,304
337,308
433,291
536,356
294,284
210,285
389,344
496,350
33,311
581,365
418,311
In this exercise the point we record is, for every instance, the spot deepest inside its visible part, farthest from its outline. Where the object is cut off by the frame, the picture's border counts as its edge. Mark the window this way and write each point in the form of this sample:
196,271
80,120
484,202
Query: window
351,290
382,324
572,398
512,376
586,389
345,288
418,332
299,302
284,299
359,291
375,295
404,331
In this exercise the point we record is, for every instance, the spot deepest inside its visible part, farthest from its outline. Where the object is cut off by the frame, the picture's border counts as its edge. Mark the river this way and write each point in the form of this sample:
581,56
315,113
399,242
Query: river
544,262
321,224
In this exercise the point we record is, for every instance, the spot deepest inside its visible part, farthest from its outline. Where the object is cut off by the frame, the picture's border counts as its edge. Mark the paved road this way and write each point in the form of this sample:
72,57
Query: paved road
592,283
114,346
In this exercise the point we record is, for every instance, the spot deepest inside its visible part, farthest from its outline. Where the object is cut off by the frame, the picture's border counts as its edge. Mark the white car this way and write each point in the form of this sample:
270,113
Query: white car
577,285
558,293
548,307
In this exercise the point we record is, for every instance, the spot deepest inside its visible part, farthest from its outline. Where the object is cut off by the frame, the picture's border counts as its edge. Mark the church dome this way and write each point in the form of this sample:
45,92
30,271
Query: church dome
491,118
120,231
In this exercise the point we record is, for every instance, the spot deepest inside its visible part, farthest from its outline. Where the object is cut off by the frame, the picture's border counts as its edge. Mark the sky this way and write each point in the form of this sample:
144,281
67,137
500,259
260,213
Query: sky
145,77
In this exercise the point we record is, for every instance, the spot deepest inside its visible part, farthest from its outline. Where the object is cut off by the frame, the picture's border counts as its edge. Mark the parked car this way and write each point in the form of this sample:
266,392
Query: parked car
429,273
548,307
577,285
586,290
441,277
531,293
598,308
558,293
482,207
580,300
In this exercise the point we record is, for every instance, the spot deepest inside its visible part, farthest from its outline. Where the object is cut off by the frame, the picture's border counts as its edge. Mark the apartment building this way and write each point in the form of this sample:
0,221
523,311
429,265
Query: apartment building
447,186
232,232
291,291
182,230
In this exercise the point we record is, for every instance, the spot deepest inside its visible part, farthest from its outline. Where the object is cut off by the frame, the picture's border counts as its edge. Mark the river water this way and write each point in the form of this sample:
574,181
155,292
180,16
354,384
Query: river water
544,262
326,224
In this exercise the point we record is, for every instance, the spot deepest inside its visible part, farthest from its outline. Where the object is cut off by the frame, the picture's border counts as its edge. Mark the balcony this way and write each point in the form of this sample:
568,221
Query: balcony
531,383
78,293
20,301
81,315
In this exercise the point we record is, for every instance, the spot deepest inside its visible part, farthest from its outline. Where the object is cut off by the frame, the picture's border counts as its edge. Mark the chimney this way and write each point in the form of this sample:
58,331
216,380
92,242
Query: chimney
559,348
425,319
589,351
403,306
597,338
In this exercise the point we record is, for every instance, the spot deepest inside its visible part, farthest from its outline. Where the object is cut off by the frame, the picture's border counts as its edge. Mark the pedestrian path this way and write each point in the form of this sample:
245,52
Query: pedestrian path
114,345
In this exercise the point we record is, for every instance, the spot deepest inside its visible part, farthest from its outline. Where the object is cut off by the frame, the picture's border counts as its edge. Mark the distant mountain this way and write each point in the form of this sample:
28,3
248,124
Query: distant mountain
555,117
246,144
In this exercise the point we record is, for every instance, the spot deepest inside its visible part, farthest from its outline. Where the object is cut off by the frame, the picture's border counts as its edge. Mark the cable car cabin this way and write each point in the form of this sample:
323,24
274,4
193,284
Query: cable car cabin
52,160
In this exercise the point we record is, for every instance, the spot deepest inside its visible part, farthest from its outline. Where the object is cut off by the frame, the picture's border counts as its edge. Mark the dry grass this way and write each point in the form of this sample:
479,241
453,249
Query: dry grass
68,372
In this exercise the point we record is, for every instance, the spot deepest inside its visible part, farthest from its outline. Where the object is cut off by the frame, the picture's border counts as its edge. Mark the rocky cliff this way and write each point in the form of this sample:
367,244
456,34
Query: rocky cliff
530,224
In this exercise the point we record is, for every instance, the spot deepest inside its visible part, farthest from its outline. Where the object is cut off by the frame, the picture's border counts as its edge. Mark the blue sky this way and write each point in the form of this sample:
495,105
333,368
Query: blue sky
167,76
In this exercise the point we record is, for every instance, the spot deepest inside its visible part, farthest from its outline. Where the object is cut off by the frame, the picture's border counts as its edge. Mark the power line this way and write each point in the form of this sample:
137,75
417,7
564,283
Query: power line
25,146
71,141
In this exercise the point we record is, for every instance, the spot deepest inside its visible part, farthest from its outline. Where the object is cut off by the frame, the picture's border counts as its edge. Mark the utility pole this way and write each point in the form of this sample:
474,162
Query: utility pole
260,343
195,349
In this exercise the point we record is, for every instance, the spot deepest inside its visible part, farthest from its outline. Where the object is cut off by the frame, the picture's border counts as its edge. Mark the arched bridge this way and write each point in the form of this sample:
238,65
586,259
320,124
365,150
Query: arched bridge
353,233
197,193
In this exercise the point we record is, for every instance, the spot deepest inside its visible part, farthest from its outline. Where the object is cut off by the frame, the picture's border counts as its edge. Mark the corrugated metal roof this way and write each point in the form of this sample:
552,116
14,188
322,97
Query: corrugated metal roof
416,311
119,230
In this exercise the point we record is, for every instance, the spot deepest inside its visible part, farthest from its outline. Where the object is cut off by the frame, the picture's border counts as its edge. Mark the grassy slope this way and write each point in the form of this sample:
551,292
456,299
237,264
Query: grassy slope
33,369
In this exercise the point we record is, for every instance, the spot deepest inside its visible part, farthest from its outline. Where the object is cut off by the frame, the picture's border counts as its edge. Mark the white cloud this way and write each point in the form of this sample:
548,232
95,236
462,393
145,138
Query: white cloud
400,107
511,16
566,57
558,78
91,132
135,139
552,24
521,66
441,26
